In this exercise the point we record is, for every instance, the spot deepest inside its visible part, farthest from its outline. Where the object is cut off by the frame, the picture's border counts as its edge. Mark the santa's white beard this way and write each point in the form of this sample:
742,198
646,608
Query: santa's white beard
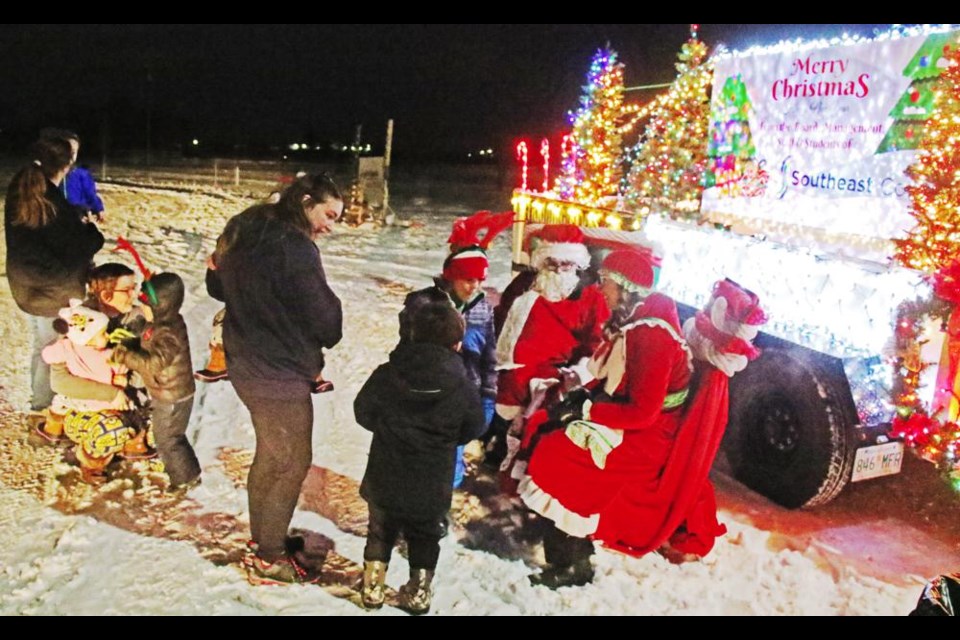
556,286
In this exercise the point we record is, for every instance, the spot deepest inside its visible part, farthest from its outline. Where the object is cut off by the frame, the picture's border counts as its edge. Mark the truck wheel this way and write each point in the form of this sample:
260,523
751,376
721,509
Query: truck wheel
787,438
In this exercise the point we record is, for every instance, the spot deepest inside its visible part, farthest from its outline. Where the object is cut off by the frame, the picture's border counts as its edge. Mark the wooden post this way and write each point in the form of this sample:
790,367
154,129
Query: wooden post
216,171
357,138
236,176
386,169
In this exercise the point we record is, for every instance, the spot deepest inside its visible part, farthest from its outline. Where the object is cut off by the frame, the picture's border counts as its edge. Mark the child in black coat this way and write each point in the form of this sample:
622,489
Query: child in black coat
420,406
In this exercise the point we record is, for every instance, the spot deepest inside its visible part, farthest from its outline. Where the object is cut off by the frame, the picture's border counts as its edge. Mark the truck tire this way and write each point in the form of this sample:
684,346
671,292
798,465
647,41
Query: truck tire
787,438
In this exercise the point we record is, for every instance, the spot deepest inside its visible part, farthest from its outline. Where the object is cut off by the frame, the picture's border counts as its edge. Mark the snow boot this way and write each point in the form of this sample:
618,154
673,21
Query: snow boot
93,470
136,448
374,584
575,575
49,426
414,597
283,570
216,368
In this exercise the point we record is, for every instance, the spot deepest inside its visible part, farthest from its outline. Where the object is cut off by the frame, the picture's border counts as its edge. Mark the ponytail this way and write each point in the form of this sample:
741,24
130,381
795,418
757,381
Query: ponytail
28,189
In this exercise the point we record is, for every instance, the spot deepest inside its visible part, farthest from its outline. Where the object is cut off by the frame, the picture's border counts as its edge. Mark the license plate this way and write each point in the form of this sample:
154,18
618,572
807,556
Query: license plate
878,460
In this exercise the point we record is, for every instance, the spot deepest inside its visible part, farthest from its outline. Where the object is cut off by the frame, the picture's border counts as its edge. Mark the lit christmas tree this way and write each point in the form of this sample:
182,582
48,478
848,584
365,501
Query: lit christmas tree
668,162
916,104
933,245
591,172
934,242
731,144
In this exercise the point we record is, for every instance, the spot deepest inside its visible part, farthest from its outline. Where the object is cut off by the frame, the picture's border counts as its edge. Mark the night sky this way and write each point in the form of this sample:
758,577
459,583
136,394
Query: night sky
450,88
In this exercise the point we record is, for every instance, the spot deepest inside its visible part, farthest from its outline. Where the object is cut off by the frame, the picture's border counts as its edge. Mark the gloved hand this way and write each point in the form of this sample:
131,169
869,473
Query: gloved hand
120,336
568,409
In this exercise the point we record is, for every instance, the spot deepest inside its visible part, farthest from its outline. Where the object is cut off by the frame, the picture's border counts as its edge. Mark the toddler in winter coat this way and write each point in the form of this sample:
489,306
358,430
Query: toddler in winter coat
420,405
96,426
162,358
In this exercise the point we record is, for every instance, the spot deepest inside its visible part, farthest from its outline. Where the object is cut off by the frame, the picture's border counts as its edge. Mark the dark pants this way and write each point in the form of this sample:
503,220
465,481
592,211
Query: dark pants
422,536
563,550
170,420
284,429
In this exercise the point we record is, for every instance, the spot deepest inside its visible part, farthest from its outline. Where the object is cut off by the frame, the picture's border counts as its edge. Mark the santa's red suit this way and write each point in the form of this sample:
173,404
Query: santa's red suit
539,336
627,474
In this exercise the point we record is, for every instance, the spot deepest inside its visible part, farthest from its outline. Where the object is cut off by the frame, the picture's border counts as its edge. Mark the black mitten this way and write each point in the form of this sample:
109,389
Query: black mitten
568,409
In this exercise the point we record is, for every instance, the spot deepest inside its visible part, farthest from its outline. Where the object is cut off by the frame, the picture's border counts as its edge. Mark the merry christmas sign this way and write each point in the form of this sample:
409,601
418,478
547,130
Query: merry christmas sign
820,138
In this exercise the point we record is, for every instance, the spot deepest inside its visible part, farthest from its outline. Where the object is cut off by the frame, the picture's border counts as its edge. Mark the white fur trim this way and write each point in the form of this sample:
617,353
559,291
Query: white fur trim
704,349
469,254
512,328
564,251
519,470
718,316
549,507
508,411
614,365
585,409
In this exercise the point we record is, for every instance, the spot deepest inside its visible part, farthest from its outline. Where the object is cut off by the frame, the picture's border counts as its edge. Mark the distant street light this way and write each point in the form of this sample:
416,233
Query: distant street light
195,142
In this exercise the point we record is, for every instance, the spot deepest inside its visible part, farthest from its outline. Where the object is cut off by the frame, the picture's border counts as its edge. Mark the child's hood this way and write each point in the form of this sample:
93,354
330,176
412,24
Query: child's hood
425,372
170,292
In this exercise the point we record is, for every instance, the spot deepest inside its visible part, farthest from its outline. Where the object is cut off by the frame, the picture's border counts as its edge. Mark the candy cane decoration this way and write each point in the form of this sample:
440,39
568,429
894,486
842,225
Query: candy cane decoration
545,152
522,157
567,166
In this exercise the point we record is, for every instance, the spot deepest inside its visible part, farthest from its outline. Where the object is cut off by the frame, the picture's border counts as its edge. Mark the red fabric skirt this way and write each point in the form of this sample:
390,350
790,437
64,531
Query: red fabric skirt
654,487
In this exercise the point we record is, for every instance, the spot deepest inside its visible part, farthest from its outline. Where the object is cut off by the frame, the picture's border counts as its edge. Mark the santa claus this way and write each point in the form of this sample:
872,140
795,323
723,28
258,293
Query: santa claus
549,322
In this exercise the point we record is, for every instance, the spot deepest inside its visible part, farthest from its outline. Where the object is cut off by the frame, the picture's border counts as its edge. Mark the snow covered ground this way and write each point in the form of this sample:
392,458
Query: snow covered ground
130,548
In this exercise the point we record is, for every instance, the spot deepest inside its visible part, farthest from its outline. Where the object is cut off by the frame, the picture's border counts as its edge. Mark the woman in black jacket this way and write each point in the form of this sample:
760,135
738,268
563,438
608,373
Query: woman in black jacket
50,249
280,315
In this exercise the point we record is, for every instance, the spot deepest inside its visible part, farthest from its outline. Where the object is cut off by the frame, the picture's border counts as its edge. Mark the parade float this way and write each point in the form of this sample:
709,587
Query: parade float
822,176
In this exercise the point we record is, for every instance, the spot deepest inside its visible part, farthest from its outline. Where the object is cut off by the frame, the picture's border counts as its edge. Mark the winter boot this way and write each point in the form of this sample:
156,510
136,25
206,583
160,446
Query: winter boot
416,594
374,584
49,426
92,469
575,575
136,448
216,368
283,570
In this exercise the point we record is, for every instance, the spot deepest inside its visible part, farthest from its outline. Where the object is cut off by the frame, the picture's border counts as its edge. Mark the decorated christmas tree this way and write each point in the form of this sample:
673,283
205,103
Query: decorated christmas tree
933,245
934,241
668,163
730,146
916,104
591,173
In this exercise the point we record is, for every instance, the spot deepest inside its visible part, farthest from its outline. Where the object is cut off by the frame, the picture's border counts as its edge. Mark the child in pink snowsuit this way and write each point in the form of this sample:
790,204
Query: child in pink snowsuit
96,426
84,350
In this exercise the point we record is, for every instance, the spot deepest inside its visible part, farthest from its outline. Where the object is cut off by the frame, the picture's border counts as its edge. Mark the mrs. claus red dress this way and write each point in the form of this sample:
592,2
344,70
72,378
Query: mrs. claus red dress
633,474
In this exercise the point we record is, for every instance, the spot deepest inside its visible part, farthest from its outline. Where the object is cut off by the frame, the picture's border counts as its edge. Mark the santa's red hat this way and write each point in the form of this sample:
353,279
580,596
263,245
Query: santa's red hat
562,242
632,270
466,264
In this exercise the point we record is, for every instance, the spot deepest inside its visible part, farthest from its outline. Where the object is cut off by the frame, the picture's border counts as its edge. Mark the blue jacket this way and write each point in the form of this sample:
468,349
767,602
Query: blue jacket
82,190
